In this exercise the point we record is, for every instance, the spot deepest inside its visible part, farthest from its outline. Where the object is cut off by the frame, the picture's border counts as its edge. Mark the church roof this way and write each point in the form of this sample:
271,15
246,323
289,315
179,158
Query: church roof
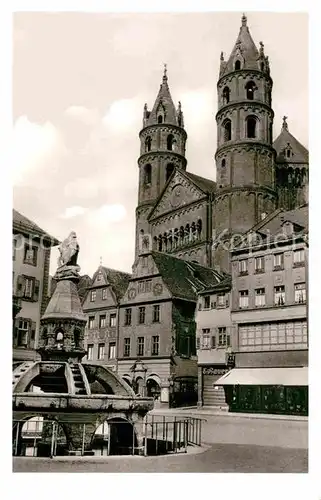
65,302
24,225
185,279
271,227
117,279
245,48
299,154
206,185
164,100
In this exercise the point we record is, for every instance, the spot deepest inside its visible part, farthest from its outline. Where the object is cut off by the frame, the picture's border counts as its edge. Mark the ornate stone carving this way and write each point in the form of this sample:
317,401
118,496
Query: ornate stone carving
67,261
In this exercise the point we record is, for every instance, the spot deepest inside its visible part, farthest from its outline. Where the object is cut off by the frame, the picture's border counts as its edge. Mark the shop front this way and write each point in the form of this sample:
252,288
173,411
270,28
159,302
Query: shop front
266,390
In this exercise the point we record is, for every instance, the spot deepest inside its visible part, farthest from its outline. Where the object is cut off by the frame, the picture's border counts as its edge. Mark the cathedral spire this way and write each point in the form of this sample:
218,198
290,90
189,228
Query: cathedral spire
163,110
245,55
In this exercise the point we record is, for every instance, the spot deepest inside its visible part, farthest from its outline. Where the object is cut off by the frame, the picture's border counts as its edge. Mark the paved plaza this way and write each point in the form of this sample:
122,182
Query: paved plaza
232,444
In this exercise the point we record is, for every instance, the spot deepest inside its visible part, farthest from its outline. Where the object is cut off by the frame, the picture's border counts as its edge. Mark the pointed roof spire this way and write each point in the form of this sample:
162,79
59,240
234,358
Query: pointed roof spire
285,124
163,105
244,50
165,73
285,141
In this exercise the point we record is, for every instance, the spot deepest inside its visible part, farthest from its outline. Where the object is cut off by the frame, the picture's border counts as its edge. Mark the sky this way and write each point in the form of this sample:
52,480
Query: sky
80,81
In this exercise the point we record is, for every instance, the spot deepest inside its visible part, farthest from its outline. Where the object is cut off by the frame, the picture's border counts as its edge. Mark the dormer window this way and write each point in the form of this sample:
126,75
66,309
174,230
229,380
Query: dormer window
287,228
288,153
160,119
237,65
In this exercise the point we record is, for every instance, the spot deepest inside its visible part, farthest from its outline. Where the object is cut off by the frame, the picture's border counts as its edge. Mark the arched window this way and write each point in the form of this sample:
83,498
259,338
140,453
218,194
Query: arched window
165,242
262,66
199,228
227,130
59,339
181,235
148,143
169,242
288,153
251,127
226,95
147,174
176,238
194,231
169,169
186,234
160,241
250,90
160,119
170,142
223,164
237,64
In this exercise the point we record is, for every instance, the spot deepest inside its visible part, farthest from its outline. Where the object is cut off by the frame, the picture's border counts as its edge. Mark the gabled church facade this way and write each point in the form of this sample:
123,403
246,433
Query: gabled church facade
196,218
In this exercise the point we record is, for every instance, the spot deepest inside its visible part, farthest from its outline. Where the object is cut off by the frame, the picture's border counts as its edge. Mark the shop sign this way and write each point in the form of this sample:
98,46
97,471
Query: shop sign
214,371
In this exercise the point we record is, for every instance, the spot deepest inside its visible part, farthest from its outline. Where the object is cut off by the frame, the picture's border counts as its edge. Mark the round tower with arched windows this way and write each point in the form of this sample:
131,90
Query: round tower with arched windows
162,148
245,155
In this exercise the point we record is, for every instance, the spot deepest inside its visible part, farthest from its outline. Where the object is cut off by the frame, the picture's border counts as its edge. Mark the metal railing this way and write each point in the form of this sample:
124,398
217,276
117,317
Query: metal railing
162,435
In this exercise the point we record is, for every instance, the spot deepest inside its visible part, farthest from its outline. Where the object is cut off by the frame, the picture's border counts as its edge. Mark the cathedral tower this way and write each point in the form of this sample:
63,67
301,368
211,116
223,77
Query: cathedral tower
245,155
162,148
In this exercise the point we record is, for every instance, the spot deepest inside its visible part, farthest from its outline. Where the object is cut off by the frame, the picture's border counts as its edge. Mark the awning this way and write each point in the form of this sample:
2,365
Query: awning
265,376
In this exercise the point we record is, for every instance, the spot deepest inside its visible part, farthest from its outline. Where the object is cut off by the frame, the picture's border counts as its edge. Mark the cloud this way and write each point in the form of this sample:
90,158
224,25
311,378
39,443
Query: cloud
107,214
31,145
84,187
86,115
73,212
123,114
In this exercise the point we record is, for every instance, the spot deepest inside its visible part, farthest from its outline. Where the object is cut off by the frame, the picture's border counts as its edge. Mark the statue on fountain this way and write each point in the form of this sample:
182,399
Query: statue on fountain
67,261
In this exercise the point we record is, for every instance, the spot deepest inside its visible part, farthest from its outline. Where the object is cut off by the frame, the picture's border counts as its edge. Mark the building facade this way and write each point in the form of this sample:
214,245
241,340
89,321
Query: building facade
214,342
30,276
157,326
269,317
101,306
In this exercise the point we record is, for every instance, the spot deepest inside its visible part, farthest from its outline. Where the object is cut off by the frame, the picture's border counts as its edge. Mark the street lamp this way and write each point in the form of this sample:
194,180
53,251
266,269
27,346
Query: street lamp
139,368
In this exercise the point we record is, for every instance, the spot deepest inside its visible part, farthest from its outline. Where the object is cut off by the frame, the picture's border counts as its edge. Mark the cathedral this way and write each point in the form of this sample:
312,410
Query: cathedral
195,218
